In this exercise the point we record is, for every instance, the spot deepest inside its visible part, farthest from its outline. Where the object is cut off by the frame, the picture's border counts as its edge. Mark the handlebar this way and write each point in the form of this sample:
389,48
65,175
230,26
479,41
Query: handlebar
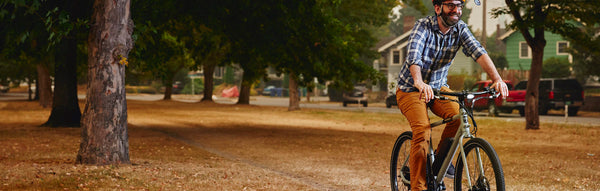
467,96
462,95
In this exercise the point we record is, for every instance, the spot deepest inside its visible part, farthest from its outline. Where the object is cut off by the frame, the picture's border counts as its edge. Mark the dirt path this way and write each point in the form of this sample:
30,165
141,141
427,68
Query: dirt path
314,184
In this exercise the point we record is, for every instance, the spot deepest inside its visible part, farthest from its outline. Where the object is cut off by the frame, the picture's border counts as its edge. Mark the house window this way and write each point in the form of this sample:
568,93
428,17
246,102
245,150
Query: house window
561,48
395,57
524,50
218,72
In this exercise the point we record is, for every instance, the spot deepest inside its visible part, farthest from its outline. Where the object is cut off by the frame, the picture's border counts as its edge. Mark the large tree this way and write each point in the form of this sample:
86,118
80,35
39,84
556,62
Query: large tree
305,39
162,41
160,53
532,18
26,50
55,26
104,125
332,43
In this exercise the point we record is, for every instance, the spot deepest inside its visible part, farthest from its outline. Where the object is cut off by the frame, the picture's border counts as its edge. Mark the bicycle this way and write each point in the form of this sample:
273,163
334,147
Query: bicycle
477,166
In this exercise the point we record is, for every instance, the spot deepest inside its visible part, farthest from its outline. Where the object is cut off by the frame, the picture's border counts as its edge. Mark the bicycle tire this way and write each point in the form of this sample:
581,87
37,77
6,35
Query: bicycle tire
492,168
401,150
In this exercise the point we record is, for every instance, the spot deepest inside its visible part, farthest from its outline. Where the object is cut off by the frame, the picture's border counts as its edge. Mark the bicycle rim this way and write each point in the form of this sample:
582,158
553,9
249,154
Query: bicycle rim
399,171
482,171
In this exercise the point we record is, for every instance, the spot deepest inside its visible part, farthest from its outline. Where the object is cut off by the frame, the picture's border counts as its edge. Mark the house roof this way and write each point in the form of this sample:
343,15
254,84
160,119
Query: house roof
506,34
392,42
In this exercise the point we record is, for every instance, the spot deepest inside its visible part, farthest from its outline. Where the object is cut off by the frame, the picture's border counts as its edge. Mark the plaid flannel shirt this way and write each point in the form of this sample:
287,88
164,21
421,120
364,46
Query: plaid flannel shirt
434,51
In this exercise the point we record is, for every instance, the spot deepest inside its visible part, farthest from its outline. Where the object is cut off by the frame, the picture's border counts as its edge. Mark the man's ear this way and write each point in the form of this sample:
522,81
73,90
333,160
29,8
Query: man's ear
437,9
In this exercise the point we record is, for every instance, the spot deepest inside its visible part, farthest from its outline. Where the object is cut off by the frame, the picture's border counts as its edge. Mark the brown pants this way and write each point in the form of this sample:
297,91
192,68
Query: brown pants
415,111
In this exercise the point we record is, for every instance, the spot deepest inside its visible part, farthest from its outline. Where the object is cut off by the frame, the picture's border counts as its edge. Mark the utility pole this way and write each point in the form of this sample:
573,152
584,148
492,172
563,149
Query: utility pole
484,33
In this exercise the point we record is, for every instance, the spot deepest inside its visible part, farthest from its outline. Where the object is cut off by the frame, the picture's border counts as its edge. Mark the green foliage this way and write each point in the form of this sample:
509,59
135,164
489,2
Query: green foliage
556,68
197,89
228,77
559,17
469,81
32,30
585,49
417,9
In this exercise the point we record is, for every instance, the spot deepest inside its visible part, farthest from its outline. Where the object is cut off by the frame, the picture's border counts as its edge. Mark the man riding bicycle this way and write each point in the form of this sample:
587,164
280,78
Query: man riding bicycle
434,42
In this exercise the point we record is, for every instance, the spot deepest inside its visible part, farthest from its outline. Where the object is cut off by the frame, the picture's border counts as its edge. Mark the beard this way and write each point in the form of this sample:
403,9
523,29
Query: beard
450,19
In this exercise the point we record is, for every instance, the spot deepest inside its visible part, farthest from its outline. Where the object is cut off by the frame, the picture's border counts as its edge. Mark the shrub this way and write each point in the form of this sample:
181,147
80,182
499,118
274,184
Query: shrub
556,68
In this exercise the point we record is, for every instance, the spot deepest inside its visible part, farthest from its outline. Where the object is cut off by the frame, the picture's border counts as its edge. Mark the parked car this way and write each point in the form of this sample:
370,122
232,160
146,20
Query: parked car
554,93
4,88
177,87
391,100
494,106
267,91
358,95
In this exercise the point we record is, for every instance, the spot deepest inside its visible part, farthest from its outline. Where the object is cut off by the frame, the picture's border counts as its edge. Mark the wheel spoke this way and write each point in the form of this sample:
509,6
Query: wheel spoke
480,168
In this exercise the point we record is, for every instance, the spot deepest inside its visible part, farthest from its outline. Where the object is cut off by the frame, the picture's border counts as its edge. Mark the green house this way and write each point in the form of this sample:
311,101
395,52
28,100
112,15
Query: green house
518,53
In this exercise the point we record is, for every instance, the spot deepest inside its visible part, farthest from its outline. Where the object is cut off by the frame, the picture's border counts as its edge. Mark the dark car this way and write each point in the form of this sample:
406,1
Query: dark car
177,87
4,88
555,93
267,91
391,100
358,95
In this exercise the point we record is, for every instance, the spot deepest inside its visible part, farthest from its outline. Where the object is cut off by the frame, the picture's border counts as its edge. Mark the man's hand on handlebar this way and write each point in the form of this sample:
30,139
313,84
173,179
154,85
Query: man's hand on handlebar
501,87
425,90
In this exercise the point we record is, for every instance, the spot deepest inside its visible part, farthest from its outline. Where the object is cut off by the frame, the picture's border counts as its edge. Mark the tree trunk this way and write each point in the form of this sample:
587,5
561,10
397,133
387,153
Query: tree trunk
65,104
43,86
29,92
244,97
294,96
209,70
104,134
532,96
168,89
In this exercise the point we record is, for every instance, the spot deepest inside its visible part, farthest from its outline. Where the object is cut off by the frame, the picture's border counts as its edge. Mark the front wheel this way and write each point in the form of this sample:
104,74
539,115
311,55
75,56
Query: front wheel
399,171
482,171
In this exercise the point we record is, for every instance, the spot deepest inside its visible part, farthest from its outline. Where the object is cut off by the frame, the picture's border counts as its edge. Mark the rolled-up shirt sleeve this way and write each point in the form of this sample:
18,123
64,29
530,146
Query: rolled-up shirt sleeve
416,45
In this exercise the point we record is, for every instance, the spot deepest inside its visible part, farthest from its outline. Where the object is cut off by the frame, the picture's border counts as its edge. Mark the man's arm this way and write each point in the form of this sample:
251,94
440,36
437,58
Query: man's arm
424,89
488,66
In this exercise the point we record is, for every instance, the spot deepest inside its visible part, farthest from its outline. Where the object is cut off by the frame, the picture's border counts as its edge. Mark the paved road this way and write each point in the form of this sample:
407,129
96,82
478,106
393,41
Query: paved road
323,103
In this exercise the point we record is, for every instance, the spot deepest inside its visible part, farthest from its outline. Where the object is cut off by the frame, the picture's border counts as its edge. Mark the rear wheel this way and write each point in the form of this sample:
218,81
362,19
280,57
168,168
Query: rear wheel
482,170
399,171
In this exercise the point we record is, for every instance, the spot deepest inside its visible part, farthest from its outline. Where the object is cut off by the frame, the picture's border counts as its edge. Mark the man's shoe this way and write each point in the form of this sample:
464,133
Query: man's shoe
450,172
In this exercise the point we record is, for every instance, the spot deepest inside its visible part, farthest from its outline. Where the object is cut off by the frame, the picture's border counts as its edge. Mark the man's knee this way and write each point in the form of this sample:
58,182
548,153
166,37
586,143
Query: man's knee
420,135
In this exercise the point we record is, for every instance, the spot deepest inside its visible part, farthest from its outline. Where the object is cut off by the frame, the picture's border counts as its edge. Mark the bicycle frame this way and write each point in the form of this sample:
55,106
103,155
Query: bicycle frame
462,132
